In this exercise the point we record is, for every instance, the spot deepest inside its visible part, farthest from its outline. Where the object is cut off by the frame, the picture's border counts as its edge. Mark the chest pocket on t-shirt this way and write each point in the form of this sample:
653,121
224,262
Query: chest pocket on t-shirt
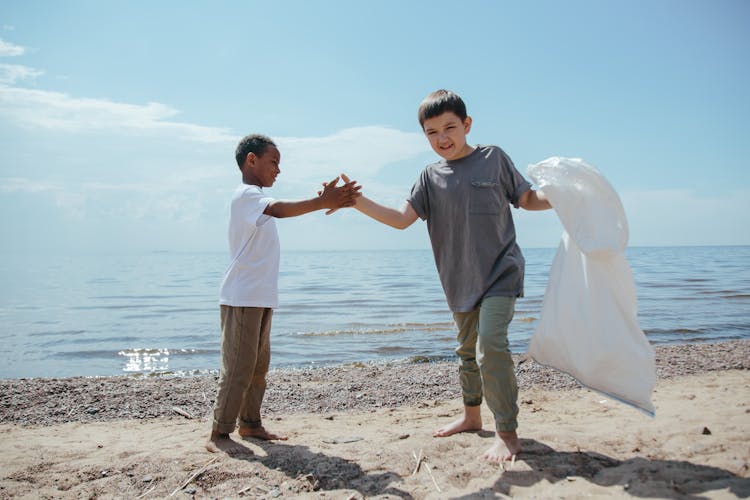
485,198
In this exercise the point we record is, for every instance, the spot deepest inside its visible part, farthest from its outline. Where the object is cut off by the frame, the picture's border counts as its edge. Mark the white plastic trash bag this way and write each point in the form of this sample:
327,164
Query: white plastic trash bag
589,322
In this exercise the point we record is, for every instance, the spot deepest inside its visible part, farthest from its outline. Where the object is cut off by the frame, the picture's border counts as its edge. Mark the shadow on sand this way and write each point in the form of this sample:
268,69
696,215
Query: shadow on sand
641,477
325,472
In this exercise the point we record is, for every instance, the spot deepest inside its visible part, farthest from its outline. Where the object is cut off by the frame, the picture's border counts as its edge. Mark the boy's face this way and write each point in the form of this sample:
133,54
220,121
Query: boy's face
447,135
265,168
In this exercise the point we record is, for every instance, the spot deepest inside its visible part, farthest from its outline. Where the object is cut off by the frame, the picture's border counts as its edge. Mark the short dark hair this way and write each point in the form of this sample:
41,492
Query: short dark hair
439,102
253,143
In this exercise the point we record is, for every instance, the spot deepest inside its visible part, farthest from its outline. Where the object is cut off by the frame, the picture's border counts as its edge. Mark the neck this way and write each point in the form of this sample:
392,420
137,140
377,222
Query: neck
465,151
248,178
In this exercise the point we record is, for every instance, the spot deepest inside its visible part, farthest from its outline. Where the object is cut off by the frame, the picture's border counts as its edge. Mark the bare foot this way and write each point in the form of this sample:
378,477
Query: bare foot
470,421
506,448
260,433
222,443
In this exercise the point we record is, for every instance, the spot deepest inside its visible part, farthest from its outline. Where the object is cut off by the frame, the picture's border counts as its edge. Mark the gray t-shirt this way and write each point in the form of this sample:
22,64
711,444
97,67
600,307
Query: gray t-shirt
466,204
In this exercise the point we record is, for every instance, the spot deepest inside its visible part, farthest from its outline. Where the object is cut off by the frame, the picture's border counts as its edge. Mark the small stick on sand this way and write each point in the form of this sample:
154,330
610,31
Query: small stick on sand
197,473
512,461
146,492
427,466
182,412
419,461
245,490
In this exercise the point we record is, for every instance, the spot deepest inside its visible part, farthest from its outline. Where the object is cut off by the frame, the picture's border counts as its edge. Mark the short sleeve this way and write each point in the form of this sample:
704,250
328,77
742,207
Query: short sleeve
251,205
418,198
514,182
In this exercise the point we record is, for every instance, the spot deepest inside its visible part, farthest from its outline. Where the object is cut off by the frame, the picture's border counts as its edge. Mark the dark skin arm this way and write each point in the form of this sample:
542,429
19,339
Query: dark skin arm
332,197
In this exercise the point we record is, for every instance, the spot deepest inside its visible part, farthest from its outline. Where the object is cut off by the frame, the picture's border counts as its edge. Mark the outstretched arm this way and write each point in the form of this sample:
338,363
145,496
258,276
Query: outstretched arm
534,200
398,218
331,197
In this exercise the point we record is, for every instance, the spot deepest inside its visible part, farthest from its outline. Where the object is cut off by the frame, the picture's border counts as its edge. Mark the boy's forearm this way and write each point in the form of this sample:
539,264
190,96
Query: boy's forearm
386,215
535,200
283,208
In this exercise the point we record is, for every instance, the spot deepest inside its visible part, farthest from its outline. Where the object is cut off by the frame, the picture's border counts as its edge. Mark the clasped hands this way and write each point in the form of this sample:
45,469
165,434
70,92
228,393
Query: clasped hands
336,196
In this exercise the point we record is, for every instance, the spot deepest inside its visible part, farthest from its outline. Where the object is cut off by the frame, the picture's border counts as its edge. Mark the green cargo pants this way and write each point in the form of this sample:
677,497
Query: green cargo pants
486,367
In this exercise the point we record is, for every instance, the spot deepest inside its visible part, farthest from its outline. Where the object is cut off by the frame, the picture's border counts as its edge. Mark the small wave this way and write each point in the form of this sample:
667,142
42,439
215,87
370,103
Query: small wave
659,284
401,328
188,310
673,331
109,306
142,297
83,341
695,339
145,315
391,349
90,354
164,350
55,333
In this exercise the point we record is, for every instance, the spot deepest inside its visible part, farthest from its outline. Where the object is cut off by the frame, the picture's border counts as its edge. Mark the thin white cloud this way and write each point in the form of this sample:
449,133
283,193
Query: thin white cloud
20,185
160,192
184,196
8,49
60,111
363,150
172,184
13,73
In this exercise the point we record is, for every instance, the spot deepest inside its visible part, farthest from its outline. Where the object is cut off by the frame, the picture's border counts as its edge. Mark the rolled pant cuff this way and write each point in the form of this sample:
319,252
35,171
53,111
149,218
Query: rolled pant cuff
223,427
506,426
252,424
472,401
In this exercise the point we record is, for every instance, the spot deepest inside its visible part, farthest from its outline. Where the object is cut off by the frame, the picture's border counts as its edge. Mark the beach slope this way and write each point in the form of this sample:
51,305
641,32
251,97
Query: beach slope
346,440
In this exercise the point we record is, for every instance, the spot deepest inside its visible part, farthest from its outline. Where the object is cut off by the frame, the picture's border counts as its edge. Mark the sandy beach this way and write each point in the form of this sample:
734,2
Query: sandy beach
357,431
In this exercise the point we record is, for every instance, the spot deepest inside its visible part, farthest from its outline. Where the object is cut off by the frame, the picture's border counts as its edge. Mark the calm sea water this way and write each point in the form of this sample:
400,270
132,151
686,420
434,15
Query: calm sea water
158,312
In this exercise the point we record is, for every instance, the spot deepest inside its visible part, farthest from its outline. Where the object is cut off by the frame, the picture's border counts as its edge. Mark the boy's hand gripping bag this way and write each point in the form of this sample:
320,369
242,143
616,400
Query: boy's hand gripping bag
589,322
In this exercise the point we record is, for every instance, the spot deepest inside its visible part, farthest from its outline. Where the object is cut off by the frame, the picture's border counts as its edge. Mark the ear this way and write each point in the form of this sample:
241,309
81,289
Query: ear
250,159
467,125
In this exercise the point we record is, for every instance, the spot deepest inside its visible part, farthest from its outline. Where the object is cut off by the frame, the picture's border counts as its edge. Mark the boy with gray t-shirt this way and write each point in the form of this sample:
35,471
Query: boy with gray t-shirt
465,199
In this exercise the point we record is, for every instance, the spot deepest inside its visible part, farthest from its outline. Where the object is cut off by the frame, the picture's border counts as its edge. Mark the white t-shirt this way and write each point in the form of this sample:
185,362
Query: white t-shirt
252,278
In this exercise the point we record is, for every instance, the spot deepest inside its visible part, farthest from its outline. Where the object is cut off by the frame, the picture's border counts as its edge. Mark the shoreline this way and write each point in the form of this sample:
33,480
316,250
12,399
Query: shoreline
355,387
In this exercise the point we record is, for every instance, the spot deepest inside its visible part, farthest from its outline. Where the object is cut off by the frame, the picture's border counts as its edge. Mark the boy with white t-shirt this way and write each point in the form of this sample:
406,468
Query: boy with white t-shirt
249,292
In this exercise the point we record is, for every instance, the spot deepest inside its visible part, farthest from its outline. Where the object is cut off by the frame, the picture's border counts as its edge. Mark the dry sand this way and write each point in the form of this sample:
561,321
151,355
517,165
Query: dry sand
578,443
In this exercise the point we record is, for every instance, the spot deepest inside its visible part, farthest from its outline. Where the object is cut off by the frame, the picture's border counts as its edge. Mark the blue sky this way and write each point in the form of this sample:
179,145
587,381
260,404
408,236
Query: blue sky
118,120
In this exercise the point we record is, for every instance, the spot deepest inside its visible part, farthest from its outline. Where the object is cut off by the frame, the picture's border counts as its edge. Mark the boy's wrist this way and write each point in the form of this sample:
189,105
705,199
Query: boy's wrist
327,201
320,202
